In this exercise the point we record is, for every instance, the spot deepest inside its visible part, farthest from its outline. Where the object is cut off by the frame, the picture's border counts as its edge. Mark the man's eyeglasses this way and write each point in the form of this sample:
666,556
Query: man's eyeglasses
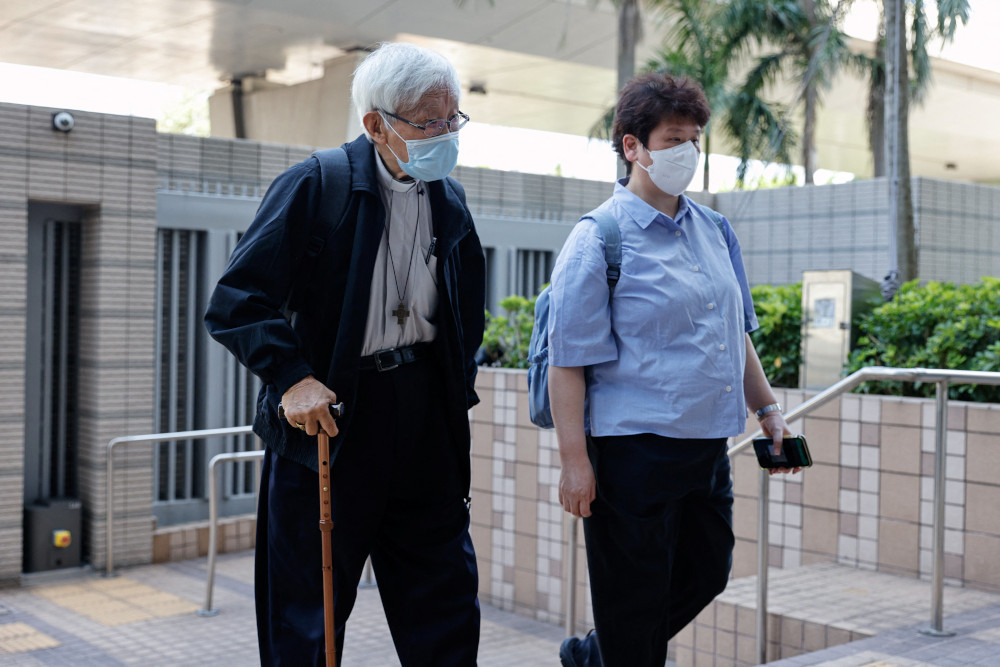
435,127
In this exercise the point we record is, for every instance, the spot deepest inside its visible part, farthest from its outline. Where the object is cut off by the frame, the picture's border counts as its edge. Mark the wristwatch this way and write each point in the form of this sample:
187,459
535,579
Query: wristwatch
768,408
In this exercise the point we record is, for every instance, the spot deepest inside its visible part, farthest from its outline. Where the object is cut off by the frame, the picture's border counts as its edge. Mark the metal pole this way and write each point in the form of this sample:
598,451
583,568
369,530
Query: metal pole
571,577
762,560
109,562
213,520
936,628
213,537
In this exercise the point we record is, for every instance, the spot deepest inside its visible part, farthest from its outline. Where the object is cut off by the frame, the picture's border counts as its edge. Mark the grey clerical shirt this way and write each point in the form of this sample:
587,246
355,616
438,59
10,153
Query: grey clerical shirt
411,278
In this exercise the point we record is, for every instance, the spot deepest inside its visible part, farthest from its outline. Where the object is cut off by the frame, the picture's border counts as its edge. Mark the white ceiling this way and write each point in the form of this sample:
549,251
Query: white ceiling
546,64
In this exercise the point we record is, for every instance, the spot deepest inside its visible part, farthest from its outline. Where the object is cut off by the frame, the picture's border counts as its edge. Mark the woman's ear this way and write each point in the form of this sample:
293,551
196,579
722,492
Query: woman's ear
630,147
375,125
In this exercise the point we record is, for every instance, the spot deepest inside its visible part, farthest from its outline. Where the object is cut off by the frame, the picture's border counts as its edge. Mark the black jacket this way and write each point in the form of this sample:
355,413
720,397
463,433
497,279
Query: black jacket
292,259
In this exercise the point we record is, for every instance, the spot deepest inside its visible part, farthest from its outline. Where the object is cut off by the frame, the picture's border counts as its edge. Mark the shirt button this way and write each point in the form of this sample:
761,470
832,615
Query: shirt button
728,388
722,347
695,268
677,233
711,306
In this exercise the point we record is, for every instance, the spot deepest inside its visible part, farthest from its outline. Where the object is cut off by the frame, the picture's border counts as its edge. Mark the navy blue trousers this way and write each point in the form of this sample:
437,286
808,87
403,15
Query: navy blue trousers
397,497
659,543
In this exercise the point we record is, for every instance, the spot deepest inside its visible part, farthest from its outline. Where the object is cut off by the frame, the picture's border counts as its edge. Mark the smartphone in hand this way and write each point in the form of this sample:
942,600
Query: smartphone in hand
794,453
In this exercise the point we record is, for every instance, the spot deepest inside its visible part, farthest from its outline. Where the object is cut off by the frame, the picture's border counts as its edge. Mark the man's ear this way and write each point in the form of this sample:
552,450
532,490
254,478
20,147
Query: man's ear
375,125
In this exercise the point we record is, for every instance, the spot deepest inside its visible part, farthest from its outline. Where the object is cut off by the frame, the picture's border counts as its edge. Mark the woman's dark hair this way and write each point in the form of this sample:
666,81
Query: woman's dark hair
649,99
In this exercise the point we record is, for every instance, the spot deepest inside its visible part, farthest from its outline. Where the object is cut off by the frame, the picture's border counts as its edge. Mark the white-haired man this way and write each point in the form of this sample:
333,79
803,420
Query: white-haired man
362,280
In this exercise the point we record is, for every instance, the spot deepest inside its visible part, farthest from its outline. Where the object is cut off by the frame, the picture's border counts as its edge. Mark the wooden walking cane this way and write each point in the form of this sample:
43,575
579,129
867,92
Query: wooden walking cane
326,529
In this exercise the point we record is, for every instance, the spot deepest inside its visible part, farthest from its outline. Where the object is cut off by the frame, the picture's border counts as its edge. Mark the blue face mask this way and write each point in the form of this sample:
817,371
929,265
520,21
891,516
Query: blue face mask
431,159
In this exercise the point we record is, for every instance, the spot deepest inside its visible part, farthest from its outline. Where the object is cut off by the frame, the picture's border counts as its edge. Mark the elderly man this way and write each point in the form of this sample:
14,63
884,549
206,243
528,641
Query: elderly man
361,280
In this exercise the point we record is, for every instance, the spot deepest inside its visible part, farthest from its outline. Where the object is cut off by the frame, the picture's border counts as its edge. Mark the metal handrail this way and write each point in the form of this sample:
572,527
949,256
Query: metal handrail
213,528
213,520
942,378
109,562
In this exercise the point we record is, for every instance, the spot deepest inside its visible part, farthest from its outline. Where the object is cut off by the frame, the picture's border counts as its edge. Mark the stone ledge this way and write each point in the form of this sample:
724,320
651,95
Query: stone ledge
190,540
812,608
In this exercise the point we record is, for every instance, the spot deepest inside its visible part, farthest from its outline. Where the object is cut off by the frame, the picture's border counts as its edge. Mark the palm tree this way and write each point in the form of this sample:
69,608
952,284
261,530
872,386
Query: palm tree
913,89
949,13
700,46
703,47
799,39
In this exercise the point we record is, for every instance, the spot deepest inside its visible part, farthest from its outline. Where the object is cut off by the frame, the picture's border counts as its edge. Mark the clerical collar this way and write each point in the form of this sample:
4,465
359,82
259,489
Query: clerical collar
386,180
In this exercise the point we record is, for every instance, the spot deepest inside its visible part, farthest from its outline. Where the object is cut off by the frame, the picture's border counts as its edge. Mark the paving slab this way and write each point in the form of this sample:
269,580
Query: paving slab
146,616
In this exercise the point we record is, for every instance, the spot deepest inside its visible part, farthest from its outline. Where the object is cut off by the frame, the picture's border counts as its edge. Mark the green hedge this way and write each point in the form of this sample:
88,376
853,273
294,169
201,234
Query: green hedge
937,325
778,341
506,339
779,311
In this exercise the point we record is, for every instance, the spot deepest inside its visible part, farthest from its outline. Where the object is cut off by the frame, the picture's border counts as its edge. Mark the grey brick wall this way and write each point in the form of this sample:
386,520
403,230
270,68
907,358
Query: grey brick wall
107,167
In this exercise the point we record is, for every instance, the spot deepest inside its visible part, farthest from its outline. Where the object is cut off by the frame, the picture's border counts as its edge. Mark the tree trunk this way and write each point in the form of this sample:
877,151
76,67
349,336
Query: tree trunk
876,108
628,35
809,133
897,141
706,142
811,102
906,233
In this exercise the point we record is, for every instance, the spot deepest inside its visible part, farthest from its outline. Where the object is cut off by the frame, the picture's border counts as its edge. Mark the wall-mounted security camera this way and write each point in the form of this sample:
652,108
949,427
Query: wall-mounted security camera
62,121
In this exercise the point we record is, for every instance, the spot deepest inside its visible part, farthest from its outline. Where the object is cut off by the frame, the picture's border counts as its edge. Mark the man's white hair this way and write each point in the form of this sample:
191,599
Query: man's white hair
397,75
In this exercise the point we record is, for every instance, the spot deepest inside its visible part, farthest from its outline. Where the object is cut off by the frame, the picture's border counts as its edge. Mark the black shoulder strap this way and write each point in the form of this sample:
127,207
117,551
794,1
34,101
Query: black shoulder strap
335,180
612,243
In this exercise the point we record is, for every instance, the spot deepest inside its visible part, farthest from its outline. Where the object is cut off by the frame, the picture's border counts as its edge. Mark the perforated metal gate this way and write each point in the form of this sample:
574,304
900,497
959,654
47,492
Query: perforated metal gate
52,354
198,385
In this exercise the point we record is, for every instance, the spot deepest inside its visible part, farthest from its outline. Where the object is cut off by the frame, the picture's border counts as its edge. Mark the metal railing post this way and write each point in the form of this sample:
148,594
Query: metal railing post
213,520
109,559
571,576
763,556
879,373
936,628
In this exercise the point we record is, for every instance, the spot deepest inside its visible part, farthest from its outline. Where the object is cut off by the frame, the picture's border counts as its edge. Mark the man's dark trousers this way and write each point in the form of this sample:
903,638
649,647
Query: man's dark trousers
396,496
659,543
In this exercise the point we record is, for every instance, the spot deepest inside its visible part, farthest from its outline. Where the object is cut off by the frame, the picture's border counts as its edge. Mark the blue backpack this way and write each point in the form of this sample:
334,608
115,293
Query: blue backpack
538,349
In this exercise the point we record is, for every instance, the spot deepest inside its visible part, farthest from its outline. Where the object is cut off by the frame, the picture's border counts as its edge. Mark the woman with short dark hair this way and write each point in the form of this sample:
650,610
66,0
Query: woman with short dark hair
668,368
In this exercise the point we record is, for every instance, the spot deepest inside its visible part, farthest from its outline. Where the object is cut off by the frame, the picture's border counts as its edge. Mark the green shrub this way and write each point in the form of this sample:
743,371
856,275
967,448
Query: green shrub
778,341
507,336
937,325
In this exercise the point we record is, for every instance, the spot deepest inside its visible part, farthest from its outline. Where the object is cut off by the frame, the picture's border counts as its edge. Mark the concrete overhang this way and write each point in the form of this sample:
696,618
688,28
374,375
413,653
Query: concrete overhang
544,64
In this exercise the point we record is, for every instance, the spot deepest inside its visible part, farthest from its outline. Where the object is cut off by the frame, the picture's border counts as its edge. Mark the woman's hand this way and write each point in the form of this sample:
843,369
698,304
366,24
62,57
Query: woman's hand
577,485
774,426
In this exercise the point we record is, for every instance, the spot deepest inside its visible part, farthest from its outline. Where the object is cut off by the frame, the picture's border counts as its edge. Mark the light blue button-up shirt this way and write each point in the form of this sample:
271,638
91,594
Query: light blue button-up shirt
666,353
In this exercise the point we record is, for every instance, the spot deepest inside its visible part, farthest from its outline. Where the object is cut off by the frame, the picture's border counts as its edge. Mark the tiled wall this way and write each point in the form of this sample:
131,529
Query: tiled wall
191,540
518,527
786,231
868,499
865,503
107,167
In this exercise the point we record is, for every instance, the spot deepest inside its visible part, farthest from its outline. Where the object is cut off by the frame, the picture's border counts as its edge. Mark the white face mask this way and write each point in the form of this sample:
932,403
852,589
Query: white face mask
673,168
431,159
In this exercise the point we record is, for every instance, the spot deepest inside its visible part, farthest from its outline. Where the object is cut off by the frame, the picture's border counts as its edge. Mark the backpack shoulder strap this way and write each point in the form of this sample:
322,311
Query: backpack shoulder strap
335,180
612,243
713,215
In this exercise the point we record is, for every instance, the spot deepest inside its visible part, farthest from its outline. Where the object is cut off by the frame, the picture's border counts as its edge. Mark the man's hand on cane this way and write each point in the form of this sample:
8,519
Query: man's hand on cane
306,406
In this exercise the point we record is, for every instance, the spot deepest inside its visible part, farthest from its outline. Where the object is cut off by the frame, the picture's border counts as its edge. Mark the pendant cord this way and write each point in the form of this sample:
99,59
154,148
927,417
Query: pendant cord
388,247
